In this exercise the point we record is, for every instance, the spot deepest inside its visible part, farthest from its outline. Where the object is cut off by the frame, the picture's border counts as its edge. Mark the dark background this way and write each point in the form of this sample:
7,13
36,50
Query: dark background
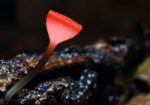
22,22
